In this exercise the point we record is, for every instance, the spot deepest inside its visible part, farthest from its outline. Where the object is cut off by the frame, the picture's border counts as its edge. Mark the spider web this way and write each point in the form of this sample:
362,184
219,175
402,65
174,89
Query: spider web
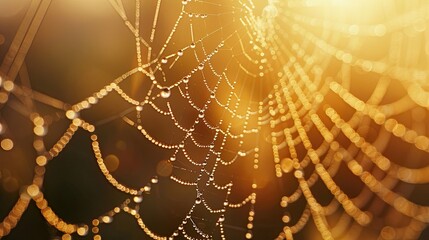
228,102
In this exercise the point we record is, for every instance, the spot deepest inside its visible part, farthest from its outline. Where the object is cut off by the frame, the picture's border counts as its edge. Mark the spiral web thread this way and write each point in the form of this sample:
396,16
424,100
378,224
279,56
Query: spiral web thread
232,53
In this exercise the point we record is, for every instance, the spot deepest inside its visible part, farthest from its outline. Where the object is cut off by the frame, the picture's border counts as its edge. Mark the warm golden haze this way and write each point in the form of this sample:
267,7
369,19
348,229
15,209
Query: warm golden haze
214,119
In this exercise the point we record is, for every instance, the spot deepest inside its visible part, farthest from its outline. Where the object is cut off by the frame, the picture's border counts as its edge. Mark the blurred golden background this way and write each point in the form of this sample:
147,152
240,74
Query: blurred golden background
214,119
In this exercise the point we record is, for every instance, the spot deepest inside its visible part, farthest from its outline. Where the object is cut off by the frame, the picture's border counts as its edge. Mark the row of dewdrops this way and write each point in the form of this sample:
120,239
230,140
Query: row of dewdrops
6,86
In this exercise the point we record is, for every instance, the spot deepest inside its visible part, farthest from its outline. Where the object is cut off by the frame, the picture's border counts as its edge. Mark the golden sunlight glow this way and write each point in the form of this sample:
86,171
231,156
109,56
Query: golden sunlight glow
215,119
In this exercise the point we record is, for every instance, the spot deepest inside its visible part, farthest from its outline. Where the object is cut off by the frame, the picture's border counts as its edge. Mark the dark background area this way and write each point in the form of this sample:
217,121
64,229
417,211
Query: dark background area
83,45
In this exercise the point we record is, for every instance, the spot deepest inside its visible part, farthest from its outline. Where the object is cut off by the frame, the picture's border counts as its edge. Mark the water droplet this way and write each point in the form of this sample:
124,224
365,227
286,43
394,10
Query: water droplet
82,231
192,45
286,218
138,199
249,235
154,180
139,108
164,60
287,165
221,218
180,53
165,93
70,114
107,219
198,200
6,144
299,173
